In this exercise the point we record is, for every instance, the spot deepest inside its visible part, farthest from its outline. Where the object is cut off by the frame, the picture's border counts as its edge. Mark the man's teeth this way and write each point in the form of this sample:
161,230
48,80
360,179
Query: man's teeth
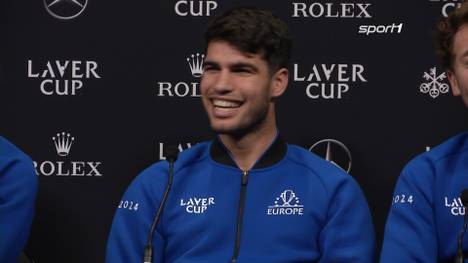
225,104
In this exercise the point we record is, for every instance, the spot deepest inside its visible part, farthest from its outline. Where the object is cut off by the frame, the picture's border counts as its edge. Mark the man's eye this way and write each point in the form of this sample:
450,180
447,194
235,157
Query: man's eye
243,70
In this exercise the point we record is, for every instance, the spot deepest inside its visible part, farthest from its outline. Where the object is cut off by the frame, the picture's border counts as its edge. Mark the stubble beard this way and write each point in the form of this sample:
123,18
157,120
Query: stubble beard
258,119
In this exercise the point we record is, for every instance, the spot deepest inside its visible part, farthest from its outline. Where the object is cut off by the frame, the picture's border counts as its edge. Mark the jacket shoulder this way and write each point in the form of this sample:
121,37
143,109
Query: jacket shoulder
447,156
332,177
317,165
9,152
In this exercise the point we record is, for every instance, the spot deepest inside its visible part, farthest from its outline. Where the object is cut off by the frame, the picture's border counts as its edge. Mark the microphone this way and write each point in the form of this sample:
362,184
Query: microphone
171,156
464,199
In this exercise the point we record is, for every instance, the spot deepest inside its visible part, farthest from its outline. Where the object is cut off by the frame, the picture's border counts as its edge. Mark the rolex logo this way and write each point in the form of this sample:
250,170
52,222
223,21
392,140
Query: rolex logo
63,142
196,64
184,89
77,168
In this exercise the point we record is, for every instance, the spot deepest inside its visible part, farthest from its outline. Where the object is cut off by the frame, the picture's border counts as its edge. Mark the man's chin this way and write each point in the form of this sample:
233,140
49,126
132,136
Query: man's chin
231,131
238,129
223,130
235,132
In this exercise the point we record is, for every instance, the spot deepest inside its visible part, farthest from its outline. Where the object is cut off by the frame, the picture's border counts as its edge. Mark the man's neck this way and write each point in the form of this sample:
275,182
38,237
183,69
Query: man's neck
247,149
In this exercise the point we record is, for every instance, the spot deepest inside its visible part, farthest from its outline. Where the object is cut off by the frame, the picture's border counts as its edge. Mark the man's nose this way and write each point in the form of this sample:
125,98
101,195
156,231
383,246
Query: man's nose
223,83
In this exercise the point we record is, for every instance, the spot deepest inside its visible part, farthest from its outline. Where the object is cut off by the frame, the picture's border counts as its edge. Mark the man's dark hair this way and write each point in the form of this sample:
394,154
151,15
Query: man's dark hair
255,31
446,30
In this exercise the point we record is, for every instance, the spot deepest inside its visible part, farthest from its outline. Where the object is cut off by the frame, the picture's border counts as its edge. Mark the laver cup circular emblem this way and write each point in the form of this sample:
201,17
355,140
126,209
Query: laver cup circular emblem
335,152
65,9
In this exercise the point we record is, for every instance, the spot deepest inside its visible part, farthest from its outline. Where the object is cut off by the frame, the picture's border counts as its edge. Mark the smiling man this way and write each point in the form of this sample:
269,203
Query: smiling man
247,196
426,215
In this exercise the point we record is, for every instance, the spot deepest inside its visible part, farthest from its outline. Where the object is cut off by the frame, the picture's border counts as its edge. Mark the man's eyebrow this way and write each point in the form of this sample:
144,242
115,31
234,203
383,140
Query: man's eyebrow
240,65
209,63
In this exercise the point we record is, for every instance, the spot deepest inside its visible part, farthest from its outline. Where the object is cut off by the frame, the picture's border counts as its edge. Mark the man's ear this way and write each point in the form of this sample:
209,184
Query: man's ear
453,83
279,82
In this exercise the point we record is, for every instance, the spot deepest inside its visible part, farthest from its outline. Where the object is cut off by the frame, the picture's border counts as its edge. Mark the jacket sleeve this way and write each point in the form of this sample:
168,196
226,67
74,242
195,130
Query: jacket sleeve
133,218
18,189
410,233
348,234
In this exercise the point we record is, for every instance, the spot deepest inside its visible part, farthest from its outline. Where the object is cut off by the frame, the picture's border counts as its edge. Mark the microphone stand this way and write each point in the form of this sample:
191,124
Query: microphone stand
171,158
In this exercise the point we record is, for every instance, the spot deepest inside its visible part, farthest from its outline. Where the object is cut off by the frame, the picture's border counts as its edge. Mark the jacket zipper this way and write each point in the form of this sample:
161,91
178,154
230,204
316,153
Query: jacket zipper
240,215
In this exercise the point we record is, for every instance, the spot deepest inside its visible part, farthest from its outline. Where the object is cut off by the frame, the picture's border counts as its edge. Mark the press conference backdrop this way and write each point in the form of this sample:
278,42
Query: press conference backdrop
94,90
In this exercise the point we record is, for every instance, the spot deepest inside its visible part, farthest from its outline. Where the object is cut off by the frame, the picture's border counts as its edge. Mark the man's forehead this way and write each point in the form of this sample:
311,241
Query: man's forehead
220,49
460,40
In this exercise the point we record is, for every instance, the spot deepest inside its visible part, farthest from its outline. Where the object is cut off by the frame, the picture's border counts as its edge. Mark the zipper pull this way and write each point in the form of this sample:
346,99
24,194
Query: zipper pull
245,177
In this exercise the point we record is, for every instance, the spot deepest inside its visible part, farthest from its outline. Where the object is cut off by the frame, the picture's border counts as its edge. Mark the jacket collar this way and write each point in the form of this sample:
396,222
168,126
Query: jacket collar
275,153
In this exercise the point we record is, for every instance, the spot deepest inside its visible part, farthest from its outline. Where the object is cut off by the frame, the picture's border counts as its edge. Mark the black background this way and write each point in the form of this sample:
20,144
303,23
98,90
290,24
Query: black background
119,120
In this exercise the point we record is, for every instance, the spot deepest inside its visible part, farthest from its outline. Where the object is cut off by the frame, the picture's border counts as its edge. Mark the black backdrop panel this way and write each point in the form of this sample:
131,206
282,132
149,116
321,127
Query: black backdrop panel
112,78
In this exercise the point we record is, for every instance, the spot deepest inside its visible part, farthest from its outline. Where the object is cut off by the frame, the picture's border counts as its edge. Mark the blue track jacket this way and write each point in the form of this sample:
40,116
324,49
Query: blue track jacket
426,213
296,207
18,189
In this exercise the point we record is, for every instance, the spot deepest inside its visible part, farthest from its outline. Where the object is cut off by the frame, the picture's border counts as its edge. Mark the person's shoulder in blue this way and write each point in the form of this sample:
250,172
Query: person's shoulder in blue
348,233
137,208
426,214
18,189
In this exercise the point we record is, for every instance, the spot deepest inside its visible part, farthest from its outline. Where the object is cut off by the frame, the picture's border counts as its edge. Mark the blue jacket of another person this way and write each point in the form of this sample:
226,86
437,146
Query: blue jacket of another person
18,189
426,215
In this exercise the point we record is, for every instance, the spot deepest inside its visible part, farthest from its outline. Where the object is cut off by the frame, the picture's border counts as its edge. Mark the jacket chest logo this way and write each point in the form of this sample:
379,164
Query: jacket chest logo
197,205
455,205
286,204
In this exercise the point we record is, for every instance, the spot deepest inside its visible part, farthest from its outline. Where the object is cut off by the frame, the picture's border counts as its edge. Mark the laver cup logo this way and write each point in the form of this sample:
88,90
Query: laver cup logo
447,6
62,77
65,9
197,205
180,146
455,206
195,8
329,81
63,142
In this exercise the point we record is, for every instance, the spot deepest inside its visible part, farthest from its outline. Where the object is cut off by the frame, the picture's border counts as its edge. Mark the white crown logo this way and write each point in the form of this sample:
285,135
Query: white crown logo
63,142
196,64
